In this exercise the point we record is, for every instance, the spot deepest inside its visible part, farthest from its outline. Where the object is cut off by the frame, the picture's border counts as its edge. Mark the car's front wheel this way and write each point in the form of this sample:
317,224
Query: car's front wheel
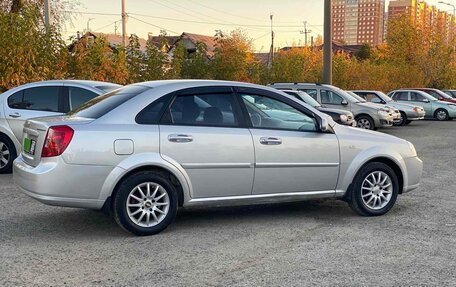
145,203
365,122
402,121
7,154
374,190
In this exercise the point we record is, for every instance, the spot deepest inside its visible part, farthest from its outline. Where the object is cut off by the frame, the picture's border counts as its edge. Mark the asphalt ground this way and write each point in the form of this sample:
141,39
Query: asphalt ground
310,243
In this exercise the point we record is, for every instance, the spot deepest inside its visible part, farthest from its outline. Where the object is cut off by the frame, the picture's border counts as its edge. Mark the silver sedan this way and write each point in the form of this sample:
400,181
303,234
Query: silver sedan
146,149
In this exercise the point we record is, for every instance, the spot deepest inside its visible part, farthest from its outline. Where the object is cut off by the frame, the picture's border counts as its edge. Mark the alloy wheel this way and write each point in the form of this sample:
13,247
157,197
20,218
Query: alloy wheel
377,190
4,155
364,124
147,204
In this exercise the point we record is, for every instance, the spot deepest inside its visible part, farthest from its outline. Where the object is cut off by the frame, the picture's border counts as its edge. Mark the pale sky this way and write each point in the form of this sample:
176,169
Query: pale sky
251,16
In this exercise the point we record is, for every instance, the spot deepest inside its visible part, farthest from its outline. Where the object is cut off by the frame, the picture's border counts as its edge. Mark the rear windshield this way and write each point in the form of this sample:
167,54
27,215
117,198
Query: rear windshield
108,88
101,105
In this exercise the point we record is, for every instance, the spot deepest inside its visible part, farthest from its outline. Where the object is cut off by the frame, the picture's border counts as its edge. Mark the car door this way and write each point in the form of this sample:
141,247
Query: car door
332,100
31,103
204,131
419,100
291,155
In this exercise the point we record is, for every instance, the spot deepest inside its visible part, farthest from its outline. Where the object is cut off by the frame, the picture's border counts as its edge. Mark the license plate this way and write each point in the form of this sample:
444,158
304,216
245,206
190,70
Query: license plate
29,146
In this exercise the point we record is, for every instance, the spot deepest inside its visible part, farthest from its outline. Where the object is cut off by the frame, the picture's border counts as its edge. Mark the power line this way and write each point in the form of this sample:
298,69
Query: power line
153,25
101,28
90,13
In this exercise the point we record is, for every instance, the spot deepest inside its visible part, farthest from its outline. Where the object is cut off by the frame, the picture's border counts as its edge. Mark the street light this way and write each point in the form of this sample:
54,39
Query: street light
452,24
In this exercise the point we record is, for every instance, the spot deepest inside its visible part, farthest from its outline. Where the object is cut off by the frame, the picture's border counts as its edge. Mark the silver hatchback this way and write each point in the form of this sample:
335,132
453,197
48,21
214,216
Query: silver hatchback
147,149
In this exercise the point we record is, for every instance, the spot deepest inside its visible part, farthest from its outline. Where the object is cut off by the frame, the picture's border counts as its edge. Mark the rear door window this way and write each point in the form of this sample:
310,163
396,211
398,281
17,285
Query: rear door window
47,98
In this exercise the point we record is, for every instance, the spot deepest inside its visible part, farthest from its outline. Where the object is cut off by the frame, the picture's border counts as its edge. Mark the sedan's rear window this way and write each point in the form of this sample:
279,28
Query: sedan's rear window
101,105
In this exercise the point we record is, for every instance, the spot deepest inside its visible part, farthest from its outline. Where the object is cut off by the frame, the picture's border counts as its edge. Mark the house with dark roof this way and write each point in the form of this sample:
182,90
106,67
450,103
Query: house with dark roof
112,39
190,41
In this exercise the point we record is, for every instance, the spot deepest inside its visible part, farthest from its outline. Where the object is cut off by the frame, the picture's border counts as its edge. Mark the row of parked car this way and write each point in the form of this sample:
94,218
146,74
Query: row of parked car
360,108
373,109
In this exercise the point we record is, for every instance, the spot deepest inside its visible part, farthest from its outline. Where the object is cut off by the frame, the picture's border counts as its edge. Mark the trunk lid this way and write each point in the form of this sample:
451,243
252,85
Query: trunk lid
35,131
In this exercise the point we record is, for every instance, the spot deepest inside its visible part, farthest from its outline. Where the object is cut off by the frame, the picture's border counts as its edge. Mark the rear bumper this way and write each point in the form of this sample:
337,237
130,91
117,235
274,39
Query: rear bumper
54,182
414,170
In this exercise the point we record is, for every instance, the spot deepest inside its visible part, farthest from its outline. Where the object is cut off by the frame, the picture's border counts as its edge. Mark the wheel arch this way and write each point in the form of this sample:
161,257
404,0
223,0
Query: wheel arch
148,162
392,159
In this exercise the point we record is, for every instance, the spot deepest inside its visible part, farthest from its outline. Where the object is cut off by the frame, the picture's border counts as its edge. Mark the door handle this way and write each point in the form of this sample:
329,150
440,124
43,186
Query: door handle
15,115
180,138
270,141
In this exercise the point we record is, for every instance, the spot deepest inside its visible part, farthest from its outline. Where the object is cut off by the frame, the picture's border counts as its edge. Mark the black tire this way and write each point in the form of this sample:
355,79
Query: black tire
408,122
119,203
361,122
403,121
441,115
355,200
7,146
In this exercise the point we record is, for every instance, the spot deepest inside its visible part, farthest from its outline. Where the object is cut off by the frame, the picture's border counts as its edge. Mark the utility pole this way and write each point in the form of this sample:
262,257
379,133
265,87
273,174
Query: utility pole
124,24
88,24
271,51
47,14
327,47
305,32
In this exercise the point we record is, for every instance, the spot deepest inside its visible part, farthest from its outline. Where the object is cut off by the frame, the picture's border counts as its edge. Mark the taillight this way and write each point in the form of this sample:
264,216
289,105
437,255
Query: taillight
57,140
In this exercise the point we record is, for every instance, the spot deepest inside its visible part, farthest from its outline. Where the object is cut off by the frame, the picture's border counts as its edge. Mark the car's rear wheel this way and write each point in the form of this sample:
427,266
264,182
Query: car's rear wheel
402,121
365,122
374,190
145,203
7,154
441,115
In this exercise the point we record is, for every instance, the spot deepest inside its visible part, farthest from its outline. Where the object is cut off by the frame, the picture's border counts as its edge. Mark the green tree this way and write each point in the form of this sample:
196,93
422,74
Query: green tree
196,65
135,60
155,61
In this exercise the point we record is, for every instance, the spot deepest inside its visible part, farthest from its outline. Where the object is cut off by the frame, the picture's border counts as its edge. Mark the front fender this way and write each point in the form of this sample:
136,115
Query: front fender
350,167
144,160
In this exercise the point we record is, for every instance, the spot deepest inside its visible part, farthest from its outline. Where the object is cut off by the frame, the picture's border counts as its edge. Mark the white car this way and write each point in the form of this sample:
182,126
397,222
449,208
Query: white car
39,99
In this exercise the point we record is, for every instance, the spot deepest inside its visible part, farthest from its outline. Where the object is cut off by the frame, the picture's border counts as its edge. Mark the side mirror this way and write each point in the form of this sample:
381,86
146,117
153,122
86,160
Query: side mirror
344,103
324,124
426,101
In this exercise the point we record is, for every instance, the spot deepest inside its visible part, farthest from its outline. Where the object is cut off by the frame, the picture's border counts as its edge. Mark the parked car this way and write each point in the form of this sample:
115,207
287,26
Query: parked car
146,149
408,112
339,116
367,116
395,112
438,94
451,93
434,108
39,99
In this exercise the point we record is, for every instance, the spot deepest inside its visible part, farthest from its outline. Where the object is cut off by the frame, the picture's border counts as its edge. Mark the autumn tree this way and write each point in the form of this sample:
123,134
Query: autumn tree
29,52
234,59
197,64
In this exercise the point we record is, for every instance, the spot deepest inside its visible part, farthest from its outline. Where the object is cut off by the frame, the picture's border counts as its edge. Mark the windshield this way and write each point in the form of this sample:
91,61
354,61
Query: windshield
346,95
101,105
305,97
384,96
108,87
438,94
358,98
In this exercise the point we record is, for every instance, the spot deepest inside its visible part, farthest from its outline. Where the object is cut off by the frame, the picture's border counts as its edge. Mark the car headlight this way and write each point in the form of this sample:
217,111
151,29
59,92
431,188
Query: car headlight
416,109
383,113
343,118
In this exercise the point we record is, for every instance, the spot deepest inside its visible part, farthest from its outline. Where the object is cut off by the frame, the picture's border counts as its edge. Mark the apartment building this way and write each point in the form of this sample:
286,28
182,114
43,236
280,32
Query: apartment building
356,22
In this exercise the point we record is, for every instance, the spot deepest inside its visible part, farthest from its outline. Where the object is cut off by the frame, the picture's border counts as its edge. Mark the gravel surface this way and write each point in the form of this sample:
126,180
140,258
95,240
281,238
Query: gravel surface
315,242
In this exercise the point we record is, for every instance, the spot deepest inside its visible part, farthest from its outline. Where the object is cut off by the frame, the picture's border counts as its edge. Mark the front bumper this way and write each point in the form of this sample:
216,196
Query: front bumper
386,121
414,171
55,182
415,116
